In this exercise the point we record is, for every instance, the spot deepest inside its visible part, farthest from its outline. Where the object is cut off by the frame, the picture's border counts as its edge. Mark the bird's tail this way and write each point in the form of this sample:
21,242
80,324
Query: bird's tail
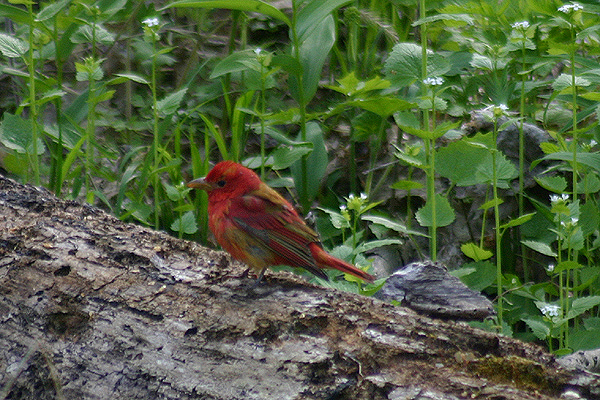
326,260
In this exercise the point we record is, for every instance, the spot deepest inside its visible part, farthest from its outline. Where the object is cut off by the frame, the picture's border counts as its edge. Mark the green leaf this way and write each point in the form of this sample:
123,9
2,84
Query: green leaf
316,162
283,157
491,203
589,219
51,10
566,266
242,5
373,244
89,34
540,329
337,219
313,51
170,104
16,134
581,305
128,76
475,252
517,221
313,13
19,15
556,184
403,65
186,224
236,62
540,247
476,275
395,226
383,106
589,184
12,47
444,214
590,159
406,185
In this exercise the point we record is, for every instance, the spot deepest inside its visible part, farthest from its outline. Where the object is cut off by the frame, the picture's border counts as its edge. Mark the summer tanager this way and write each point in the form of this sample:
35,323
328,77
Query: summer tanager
257,226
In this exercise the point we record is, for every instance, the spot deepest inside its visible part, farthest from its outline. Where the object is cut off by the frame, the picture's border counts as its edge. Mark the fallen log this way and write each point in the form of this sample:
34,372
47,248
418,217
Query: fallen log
94,308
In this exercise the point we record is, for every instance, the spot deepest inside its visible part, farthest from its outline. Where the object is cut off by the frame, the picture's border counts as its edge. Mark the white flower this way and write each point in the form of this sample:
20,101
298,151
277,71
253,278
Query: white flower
503,107
149,22
564,196
521,25
257,51
351,196
550,310
550,267
436,81
567,8
343,208
593,143
554,198
574,221
363,196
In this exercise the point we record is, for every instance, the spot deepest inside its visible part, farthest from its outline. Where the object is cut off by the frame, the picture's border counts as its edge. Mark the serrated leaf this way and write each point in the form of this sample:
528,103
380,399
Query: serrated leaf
337,219
395,226
566,266
556,184
170,104
444,214
186,224
12,47
581,305
540,329
540,247
475,252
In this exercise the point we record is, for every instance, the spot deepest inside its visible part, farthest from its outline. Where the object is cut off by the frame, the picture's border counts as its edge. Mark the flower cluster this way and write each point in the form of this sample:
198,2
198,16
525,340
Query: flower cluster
150,22
550,310
437,81
568,8
556,199
521,25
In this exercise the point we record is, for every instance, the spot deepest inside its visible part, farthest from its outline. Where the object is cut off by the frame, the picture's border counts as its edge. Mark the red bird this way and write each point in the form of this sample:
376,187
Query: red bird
256,225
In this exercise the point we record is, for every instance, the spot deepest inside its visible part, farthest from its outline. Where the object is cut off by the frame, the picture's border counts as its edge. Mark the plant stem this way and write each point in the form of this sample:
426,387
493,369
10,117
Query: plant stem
497,224
156,177
522,160
32,97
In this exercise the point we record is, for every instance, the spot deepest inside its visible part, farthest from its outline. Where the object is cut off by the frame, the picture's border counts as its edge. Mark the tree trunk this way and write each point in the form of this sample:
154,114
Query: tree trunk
93,308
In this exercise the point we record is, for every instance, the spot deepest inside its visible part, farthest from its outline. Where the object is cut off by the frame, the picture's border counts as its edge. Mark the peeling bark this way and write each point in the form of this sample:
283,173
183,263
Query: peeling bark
93,308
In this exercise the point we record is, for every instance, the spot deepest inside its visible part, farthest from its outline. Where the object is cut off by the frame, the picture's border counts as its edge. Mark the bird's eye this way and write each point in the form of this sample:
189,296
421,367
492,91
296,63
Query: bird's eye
221,183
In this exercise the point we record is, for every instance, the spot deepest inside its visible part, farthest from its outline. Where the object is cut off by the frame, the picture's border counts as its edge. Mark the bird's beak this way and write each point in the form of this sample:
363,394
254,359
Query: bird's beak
200,183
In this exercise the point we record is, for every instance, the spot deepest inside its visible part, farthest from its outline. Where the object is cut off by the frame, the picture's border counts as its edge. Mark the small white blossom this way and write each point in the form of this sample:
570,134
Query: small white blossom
554,198
593,143
503,107
351,196
363,196
149,22
521,25
574,221
436,81
550,310
343,208
257,51
567,8
550,267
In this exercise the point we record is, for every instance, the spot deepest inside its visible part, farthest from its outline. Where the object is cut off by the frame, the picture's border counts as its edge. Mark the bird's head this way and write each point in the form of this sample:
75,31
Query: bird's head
227,179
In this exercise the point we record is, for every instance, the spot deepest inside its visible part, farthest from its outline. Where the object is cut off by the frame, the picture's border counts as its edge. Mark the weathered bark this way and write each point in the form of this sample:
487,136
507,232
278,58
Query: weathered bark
94,308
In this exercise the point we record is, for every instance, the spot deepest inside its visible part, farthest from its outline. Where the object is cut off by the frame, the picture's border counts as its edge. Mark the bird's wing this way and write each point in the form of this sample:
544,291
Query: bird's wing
272,221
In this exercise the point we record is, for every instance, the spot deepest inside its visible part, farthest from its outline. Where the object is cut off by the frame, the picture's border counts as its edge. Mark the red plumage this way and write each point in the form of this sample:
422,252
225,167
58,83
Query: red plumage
256,225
